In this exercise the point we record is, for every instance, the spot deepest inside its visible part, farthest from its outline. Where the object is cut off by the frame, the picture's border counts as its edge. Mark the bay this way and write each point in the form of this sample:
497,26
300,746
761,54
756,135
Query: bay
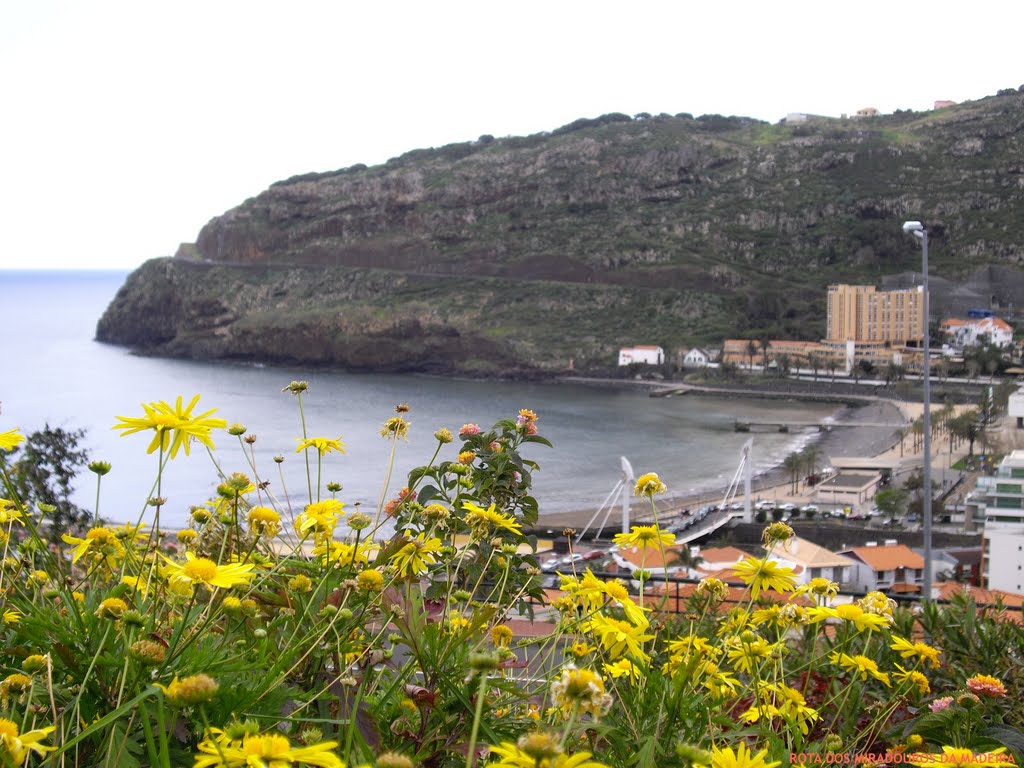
57,374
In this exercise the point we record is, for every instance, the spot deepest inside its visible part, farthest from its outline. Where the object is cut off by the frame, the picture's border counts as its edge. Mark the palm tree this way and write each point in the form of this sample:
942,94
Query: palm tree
967,426
751,351
792,464
814,363
784,363
833,365
810,458
765,346
917,428
903,432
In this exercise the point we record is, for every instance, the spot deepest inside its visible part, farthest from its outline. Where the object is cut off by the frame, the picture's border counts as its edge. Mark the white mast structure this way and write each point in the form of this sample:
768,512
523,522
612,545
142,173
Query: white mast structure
623,489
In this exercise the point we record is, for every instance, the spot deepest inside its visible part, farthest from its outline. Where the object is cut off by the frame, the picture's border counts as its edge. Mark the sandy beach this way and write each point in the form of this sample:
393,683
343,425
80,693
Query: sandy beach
847,442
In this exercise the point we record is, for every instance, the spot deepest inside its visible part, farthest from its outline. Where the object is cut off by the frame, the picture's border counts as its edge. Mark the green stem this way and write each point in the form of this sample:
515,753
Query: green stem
96,512
305,453
147,729
161,724
92,665
477,717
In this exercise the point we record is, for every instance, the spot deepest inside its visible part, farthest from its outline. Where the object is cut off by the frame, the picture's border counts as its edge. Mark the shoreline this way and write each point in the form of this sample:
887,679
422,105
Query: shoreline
773,483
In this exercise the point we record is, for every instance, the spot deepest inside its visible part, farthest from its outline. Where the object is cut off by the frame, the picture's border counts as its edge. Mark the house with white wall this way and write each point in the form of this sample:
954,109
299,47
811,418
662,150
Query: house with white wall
697,358
646,355
973,331
811,561
885,567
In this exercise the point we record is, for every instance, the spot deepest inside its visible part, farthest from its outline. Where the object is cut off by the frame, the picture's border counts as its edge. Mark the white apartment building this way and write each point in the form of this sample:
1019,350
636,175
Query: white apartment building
1002,499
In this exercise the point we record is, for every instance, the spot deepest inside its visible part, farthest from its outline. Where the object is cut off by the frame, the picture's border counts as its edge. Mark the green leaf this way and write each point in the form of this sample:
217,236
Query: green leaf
427,494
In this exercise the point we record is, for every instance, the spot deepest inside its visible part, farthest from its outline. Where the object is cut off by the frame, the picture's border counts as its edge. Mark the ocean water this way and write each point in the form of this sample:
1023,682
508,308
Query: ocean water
56,373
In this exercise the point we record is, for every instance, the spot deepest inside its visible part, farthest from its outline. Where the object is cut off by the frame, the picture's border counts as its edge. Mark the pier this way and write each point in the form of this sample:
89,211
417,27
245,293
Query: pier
822,426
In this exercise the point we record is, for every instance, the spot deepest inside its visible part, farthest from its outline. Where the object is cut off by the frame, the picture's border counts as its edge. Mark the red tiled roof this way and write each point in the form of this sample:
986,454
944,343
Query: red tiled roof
887,558
722,554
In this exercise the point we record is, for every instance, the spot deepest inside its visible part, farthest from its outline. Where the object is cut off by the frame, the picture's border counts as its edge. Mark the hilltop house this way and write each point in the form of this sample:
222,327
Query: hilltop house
647,355
974,331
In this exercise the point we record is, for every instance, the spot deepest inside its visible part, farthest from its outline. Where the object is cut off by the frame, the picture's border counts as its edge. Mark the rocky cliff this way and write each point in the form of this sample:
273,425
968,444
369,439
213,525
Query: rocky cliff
521,254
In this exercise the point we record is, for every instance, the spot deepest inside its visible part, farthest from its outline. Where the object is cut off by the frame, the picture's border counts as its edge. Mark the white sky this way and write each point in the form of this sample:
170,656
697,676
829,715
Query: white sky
126,126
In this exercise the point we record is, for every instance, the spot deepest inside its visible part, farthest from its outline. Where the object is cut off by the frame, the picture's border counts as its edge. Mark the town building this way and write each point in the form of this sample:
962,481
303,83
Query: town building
811,561
999,503
646,355
717,561
889,567
862,314
1015,408
669,560
852,490
974,332
697,358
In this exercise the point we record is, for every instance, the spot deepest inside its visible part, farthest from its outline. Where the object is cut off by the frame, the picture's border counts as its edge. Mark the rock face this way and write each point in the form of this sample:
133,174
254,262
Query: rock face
519,254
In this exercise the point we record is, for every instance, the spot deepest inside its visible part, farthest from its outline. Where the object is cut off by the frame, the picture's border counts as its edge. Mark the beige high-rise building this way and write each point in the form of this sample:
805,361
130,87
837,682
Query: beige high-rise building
860,313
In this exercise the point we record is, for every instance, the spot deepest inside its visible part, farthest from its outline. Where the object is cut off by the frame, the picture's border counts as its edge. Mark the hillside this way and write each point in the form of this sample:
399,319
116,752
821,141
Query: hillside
519,254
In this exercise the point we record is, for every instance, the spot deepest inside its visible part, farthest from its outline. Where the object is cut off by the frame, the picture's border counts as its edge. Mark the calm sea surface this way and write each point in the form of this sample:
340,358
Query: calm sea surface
55,373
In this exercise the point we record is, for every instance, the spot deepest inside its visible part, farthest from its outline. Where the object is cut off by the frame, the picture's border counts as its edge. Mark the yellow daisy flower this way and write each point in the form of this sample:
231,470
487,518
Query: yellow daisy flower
859,665
201,570
11,439
914,678
18,745
268,749
580,688
527,755
649,484
416,556
918,650
724,757
323,445
618,637
623,668
644,537
100,543
482,520
766,574
175,426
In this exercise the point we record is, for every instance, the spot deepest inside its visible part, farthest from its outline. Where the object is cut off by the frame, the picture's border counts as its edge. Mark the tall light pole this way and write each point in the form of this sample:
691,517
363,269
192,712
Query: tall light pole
919,231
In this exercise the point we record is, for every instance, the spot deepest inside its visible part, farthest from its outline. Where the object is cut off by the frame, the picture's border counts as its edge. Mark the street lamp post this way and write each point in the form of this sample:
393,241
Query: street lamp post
918,230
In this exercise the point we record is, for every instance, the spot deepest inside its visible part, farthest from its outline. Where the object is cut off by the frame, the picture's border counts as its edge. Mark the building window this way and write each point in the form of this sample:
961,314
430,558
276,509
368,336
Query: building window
880,575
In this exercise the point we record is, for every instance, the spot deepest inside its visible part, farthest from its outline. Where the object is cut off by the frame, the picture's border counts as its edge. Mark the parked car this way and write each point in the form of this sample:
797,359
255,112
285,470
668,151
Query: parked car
813,508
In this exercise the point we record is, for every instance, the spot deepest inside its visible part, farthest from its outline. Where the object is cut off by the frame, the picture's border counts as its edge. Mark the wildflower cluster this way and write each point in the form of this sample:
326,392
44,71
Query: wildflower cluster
294,631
